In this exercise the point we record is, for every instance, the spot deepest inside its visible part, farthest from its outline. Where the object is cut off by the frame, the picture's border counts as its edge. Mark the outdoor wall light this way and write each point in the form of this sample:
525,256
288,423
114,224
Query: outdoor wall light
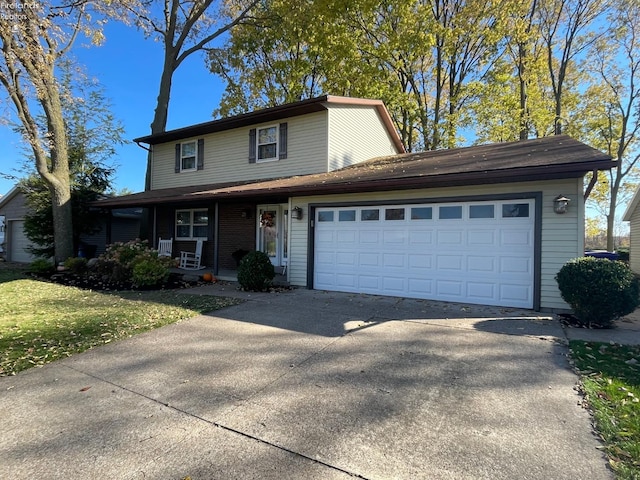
560,204
296,212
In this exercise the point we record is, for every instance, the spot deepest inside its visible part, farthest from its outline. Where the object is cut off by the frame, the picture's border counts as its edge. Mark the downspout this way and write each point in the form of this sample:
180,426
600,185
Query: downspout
143,147
592,183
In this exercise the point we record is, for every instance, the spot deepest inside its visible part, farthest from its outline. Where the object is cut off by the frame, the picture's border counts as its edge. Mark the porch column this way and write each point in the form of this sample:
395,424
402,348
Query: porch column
154,227
216,238
108,227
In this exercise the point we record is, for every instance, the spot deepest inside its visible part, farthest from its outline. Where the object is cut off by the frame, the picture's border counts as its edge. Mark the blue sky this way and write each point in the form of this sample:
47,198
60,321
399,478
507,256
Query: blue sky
128,68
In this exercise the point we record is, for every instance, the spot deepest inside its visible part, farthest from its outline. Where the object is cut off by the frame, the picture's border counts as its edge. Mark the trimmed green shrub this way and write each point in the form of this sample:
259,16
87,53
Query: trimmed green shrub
133,263
623,254
149,272
76,265
41,267
599,291
255,271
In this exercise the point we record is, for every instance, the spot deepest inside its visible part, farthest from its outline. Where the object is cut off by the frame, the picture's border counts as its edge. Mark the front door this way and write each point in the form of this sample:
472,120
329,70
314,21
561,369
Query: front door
272,232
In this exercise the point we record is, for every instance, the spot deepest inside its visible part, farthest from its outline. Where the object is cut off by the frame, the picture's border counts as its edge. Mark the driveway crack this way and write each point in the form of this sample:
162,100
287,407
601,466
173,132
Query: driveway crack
248,399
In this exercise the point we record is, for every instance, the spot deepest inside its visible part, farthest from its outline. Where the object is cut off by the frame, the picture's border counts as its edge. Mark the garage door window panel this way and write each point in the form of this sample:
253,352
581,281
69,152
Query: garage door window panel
347,216
369,215
481,211
450,212
326,216
394,214
421,213
515,210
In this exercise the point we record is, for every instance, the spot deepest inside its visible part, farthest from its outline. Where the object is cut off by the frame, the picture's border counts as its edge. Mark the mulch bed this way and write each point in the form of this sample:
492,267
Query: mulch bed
93,281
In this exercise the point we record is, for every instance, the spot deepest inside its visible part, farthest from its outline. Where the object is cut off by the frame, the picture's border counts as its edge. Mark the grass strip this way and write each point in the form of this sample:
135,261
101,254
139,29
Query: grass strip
610,375
41,322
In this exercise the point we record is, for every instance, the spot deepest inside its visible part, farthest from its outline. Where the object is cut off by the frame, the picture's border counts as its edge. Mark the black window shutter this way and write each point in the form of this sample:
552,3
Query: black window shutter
178,152
283,141
200,154
252,145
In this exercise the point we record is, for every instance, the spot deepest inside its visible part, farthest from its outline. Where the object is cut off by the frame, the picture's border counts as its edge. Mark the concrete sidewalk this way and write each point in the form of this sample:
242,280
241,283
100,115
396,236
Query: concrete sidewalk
314,385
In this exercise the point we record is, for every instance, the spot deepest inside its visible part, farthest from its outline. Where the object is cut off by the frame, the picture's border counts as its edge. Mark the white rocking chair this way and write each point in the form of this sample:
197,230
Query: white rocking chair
165,247
191,260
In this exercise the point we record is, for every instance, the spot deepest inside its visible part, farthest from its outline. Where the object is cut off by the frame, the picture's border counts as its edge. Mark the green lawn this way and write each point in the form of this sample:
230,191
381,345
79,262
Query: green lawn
41,322
611,381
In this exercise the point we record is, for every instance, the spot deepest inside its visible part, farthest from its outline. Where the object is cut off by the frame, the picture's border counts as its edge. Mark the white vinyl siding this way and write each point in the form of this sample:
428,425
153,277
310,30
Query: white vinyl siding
226,155
562,235
634,246
316,143
356,134
19,243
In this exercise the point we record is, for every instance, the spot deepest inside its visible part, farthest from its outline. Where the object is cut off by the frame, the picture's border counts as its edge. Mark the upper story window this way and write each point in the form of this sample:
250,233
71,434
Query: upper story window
267,144
190,156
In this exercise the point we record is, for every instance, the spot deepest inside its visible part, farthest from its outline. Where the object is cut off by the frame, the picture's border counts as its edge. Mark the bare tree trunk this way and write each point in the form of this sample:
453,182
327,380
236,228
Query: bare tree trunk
611,218
62,222
524,108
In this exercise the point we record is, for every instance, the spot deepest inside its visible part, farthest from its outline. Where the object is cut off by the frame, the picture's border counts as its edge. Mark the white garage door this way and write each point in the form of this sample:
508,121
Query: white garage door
19,242
474,252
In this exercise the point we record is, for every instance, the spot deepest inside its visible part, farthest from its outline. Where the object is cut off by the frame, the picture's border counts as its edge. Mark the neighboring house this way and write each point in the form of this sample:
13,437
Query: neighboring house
1,232
322,186
124,225
13,207
632,215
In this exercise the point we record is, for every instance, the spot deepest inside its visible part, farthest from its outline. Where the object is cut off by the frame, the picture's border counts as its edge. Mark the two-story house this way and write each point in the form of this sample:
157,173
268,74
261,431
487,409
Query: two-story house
324,188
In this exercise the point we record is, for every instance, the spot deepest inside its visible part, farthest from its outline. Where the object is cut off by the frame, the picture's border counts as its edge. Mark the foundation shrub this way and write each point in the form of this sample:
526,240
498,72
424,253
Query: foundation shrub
76,265
133,263
598,290
255,271
41,267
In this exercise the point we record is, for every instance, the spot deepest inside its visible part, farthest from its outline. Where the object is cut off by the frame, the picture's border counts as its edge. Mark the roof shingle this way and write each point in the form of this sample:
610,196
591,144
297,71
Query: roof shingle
528,160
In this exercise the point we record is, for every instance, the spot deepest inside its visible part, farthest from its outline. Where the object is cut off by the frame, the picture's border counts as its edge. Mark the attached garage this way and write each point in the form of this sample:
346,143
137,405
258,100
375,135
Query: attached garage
479,252
475,225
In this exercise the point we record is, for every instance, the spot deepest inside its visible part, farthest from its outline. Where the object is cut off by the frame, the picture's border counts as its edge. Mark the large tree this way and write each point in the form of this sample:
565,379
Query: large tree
34,38
612,107
183,27
566,34
93,134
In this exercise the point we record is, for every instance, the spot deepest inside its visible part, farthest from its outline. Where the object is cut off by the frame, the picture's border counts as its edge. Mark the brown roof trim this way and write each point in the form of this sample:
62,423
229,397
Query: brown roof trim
542,159
271,114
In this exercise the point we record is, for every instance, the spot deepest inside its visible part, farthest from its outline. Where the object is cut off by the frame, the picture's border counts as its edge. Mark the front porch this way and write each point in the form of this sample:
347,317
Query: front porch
230,275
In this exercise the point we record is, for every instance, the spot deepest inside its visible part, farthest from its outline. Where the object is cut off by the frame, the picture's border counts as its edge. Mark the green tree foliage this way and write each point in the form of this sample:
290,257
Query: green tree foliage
501,69
92,135
612,108
34,38
420,58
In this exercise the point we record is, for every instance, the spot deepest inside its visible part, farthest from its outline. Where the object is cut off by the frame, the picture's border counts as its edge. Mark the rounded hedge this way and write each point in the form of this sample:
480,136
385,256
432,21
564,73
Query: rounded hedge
255,271
598,290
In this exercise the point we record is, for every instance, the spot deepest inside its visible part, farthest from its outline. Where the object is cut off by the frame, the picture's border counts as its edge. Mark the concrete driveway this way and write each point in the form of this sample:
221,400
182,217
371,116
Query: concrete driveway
309,385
